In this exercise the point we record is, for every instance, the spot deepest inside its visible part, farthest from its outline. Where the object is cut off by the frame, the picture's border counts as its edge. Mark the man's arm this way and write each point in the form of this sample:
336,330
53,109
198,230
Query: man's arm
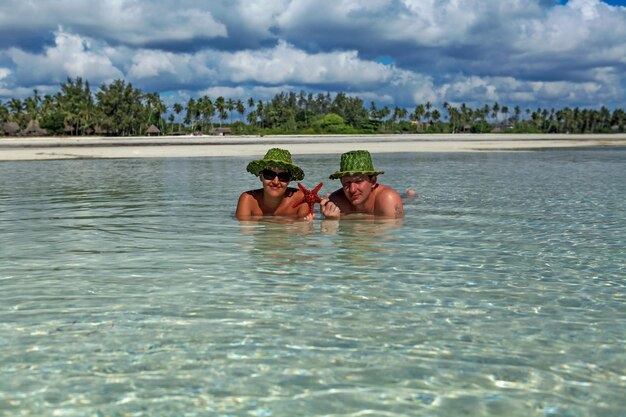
329,207
389,204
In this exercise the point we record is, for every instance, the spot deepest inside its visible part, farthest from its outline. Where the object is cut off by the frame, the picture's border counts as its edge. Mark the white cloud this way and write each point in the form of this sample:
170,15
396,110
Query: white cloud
560,90
259,16
442,50
144,25
580,27
226,92
284,63
418,22
148,63
126,21
71,56
475,90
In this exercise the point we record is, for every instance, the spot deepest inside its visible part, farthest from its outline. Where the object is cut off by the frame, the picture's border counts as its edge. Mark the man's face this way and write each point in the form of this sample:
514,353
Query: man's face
357,188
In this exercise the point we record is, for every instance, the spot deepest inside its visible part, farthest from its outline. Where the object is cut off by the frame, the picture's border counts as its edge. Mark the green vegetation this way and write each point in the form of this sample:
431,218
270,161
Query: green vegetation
118,109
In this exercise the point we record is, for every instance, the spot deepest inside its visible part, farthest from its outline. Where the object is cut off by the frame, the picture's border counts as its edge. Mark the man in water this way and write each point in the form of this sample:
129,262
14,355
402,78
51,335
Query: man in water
360,191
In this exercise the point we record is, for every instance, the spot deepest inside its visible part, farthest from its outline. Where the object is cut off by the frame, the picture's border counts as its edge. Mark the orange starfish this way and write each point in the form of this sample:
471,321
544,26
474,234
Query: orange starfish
310,197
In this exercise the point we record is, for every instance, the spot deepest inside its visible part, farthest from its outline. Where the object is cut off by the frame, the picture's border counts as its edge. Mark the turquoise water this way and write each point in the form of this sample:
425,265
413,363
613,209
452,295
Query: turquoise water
128,289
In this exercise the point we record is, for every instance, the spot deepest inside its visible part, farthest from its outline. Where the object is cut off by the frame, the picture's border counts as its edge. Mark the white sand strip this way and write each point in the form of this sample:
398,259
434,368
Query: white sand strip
207,146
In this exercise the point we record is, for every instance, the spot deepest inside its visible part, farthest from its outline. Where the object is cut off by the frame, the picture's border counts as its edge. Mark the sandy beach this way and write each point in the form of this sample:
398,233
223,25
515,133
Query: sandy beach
14,149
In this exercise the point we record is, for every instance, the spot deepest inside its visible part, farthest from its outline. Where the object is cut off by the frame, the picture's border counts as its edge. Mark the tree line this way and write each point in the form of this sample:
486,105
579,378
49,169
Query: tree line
119,109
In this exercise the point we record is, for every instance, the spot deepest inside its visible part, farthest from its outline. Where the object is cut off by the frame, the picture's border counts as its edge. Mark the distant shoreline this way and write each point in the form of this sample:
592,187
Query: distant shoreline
46,148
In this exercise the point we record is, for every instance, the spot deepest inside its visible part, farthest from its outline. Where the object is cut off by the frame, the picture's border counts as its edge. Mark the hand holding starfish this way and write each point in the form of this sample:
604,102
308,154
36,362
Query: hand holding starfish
310,197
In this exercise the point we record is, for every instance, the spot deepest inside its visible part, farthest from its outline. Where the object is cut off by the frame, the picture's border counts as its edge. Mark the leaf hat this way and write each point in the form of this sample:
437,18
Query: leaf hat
276,158
356,162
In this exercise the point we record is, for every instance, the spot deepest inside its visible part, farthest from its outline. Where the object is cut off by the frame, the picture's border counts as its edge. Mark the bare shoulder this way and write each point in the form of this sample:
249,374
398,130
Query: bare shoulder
336,195
293,192
339,198
292,196
389,202
247,205
387,192
249,195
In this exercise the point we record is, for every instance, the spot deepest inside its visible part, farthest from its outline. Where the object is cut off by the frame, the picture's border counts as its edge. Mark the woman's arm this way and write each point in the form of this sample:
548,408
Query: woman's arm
244,206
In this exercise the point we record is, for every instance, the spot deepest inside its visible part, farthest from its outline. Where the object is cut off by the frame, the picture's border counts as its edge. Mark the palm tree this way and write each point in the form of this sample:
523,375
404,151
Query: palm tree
517,111
435,114
384,113
31,106
446,106
618,119
418,113
207,111
485,112
403,113
178,108
190,115
505,111
304,105
454,117
161,109
121,109
16,108
374,113
240,108
495,110
171,119
230,106
4,113
466,115
604,119
30,109
86,113
220,105
251,118
260,112
154,109
76,102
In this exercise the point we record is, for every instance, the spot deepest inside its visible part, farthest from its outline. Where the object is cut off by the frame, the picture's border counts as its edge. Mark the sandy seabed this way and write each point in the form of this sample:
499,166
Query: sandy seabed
43,148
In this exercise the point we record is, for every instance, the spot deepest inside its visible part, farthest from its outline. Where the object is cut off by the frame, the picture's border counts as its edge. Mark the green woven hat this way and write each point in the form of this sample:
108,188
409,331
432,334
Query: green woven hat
276,158
356,162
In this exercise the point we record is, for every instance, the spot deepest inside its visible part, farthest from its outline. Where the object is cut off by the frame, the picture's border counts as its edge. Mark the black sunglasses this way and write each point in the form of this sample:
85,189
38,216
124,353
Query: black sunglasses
269,175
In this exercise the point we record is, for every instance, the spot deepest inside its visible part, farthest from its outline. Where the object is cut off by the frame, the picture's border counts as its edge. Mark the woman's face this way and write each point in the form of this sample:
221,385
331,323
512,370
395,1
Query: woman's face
275,181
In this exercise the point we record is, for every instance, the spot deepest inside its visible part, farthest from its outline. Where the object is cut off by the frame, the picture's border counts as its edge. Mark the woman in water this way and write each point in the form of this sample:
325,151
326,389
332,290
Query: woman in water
275,198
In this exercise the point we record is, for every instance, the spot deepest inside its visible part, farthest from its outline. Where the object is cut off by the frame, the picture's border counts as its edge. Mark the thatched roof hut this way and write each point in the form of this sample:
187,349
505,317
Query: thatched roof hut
221,131
153,131
101,131
11,128
33,129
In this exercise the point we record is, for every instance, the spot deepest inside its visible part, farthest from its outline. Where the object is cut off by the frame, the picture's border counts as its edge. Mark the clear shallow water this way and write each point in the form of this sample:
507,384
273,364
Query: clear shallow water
127,288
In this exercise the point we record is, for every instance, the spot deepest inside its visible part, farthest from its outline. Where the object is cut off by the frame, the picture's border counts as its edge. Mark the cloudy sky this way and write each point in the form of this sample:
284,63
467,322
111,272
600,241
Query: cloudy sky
531,53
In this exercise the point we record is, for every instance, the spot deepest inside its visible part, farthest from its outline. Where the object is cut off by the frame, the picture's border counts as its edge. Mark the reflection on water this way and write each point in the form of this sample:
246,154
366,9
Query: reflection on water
363,242
129,288
275,242
283,243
